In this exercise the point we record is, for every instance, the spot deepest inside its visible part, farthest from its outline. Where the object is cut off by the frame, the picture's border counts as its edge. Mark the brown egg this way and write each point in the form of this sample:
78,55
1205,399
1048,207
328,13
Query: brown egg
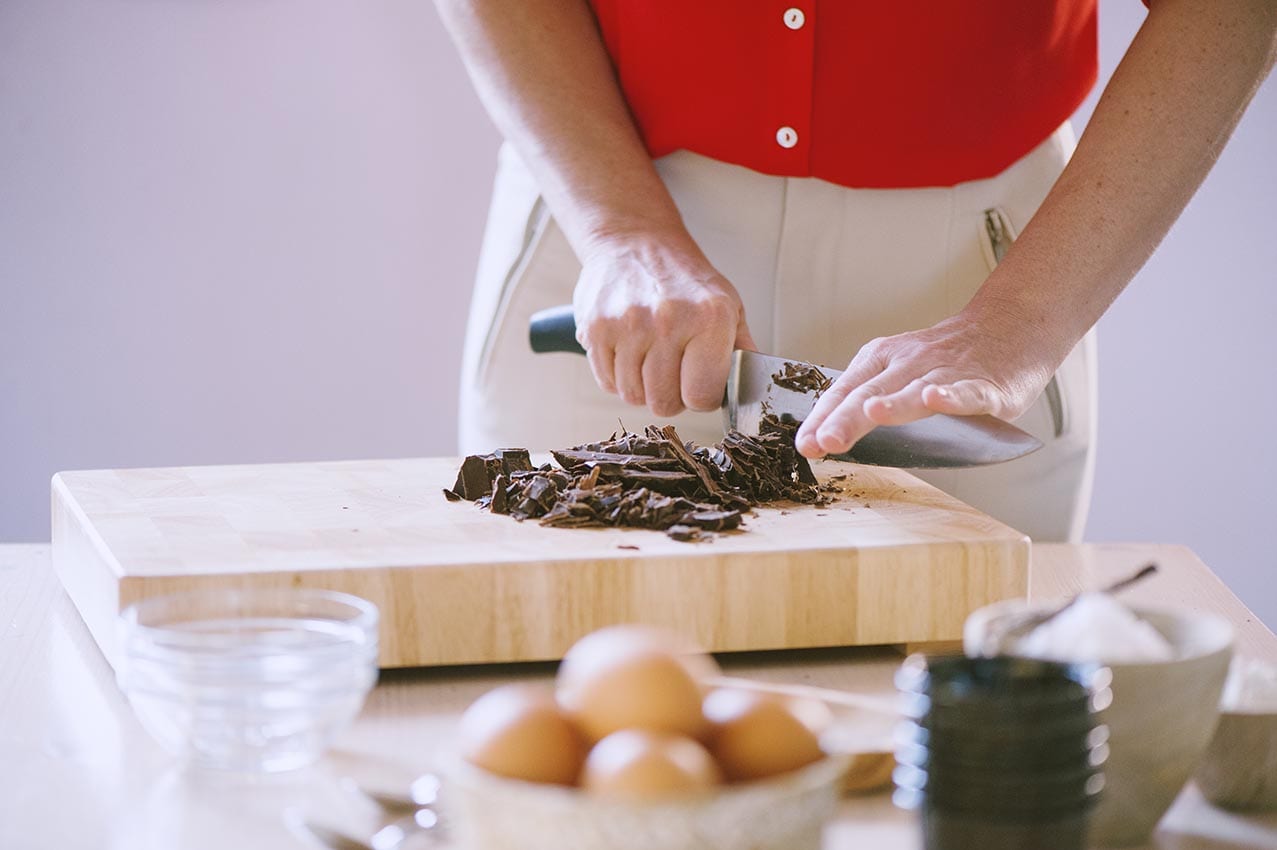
633,677
636,765
754,735
519,731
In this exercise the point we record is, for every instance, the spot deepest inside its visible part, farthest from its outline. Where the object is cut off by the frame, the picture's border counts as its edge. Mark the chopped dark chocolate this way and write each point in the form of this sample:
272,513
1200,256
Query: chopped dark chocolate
474,479
499,504
801,378
479,472
685,533
653,480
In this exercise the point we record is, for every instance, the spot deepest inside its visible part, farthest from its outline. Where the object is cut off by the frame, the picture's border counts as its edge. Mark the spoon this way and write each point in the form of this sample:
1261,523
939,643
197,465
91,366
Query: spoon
1004,639
389,837
422,792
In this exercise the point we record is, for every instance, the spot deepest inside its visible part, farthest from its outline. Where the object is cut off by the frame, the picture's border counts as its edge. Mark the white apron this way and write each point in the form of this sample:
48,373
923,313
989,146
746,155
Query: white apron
821,269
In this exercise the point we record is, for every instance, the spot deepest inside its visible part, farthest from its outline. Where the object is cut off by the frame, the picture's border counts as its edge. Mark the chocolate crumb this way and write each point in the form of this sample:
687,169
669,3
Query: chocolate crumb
447,494
687,534
801,378
627,546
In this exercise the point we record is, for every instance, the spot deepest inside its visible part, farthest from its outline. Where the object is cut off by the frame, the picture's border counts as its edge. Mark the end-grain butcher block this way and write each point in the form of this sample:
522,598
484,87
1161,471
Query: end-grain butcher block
888,560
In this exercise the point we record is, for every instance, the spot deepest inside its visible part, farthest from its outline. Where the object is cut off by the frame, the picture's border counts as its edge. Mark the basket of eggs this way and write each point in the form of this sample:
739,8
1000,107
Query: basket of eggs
630,750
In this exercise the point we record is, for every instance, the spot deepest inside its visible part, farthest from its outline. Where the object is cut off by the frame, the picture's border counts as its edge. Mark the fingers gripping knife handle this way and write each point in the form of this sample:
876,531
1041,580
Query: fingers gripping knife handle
554,329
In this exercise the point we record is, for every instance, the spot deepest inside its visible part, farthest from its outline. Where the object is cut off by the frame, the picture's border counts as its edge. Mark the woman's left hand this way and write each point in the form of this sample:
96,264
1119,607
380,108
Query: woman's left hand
987,361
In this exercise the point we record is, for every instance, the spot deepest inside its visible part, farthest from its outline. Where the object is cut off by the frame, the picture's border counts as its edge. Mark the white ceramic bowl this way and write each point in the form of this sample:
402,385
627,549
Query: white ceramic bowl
1161,719
1239,770
787,812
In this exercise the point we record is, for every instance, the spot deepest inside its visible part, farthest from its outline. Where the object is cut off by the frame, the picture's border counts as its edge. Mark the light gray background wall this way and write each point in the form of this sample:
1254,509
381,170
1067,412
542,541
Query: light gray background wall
244,230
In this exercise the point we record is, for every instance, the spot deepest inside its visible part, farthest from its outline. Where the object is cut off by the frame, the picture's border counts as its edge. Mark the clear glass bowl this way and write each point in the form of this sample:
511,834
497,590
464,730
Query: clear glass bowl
259,680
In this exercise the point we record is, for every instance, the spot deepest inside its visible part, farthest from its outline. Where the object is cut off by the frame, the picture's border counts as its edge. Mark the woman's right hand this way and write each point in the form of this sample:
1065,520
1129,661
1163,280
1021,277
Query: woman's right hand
658,322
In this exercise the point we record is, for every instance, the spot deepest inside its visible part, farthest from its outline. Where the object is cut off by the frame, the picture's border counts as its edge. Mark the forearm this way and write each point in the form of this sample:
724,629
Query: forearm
543,73
1161,123
658,322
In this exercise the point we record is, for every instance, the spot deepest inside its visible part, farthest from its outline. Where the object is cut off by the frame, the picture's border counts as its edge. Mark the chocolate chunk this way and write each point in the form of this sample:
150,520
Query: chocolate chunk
513,460
474,479
686,533
653,480
500,503
447,494
801,378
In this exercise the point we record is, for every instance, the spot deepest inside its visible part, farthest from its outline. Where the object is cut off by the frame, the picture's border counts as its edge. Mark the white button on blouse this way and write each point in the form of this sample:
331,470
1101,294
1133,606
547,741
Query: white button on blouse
786,137
794,19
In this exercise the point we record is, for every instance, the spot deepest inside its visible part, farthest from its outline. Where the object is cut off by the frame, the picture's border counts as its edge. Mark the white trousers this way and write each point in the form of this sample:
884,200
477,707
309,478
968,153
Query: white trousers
822,269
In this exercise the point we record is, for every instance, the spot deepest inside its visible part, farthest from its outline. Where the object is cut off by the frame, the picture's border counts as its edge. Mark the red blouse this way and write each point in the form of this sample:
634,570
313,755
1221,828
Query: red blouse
863,93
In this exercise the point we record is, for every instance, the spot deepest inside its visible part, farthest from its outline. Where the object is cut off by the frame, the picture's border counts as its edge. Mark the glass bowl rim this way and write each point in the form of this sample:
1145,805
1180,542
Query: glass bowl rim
366,616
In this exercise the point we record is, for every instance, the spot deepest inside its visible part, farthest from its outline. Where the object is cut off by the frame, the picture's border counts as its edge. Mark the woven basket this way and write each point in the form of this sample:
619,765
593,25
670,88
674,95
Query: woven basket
787,812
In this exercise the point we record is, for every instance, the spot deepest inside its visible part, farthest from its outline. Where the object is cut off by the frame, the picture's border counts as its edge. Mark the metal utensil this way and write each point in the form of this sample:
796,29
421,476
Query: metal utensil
389,837
422,792
937,442
1005,639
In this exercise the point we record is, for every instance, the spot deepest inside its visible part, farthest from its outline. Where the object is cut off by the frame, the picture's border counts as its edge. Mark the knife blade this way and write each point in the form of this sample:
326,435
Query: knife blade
939,441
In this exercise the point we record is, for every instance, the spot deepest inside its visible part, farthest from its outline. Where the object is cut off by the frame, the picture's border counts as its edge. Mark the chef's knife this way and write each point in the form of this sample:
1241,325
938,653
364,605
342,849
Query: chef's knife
937,442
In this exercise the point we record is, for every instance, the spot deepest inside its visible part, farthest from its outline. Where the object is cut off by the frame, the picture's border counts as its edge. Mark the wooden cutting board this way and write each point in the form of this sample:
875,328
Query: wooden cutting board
892,560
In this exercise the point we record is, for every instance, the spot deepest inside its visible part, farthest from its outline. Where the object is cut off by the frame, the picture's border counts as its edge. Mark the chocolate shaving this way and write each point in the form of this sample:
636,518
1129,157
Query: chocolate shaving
686,533
653,480
801,378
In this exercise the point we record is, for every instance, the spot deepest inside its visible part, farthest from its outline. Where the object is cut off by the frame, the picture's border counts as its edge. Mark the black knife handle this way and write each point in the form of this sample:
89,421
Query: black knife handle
554,329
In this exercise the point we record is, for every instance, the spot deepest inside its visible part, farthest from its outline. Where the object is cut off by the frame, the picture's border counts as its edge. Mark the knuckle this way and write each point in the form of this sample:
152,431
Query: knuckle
666,408
701,400
832,438
982,392
875,347
667,316
633,320
598,331
883,350
719,307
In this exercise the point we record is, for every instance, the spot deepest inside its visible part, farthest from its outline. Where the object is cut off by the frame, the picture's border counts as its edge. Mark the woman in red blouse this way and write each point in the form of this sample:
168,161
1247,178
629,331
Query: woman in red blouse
832,181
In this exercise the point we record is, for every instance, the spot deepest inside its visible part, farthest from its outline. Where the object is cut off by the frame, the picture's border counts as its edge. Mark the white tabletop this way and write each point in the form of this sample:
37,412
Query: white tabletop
78,771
